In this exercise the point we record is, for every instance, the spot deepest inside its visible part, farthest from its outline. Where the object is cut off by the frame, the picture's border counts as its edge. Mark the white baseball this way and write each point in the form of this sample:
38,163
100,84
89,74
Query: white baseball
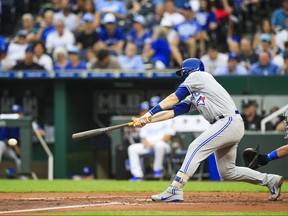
12,142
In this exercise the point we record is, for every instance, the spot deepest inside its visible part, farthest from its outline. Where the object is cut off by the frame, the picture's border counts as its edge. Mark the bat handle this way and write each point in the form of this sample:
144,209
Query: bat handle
130,124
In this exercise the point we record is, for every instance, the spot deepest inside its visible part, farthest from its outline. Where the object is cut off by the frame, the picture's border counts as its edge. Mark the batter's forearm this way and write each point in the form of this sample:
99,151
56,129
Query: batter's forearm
169,101
162,116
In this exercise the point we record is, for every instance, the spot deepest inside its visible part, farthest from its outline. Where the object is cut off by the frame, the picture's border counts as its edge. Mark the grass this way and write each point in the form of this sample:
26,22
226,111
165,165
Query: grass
7,186
124,186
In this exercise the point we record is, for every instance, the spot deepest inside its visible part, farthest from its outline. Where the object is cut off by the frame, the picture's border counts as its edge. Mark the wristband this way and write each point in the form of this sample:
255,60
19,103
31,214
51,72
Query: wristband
155,109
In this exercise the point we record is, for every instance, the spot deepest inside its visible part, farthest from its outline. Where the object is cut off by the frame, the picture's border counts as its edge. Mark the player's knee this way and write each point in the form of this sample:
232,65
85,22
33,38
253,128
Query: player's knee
134,149
160,145
192,147
227,174
131,149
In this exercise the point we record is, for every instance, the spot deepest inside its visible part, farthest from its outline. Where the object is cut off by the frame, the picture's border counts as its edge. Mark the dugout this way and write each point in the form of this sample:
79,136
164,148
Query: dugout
24,125
77,101
267,142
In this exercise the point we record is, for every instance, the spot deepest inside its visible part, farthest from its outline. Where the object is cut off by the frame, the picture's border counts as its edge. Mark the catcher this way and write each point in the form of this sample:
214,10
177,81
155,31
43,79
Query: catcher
254,160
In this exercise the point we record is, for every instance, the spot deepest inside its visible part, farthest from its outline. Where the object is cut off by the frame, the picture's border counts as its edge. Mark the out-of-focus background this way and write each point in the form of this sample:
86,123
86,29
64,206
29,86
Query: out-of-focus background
75,65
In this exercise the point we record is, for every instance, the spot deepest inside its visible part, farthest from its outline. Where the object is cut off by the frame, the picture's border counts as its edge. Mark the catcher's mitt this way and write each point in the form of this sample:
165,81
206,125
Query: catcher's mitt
250,156
253,159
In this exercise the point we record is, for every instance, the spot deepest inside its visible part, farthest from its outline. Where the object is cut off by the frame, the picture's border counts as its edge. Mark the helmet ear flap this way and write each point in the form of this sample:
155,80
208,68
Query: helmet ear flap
201,66
185,75
188,66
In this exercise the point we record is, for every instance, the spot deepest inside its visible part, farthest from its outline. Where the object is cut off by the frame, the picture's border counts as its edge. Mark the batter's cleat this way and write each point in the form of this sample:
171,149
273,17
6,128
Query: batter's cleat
135,179
274,187
172,194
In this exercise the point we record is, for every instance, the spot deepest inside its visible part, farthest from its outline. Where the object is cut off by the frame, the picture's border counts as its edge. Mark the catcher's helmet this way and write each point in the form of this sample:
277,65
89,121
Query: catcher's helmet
190,65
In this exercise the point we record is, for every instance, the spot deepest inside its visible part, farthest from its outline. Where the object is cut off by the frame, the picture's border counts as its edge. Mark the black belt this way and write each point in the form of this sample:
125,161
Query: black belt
222,117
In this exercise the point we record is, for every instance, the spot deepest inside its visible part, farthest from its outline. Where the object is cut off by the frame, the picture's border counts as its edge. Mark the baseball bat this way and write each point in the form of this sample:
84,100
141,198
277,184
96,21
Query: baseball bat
96,132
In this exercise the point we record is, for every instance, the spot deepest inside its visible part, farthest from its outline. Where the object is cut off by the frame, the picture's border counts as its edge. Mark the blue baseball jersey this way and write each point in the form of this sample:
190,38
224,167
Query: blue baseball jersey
46,32
162,51
278,18
110,6
57,67
113,39
188,29
270,69
204,18
81,65
139,41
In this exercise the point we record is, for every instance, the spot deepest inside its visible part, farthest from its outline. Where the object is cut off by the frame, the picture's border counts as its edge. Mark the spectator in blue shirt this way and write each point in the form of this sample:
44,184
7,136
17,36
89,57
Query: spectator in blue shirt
118,8
111,35
47,25
279,15
190,30
60,58
139,34
233,67
207,19
264,66
160,50
180,3
75,62
131,61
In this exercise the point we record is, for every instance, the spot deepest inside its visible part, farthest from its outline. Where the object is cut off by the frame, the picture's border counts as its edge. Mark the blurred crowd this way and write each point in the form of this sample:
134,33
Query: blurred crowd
231,37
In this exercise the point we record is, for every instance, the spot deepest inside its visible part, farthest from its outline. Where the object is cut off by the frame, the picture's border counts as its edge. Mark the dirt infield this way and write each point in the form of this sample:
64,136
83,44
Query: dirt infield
43,203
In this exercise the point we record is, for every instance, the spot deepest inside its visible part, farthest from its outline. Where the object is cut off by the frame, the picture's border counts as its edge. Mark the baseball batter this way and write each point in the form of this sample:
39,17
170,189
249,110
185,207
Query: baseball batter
201,91
155,137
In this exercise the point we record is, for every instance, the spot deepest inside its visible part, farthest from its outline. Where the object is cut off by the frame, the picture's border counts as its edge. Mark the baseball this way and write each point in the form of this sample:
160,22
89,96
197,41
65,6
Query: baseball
12,142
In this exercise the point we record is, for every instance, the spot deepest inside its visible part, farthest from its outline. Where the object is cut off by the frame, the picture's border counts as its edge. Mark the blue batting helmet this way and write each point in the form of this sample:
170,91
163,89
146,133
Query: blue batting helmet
154,101
190,65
